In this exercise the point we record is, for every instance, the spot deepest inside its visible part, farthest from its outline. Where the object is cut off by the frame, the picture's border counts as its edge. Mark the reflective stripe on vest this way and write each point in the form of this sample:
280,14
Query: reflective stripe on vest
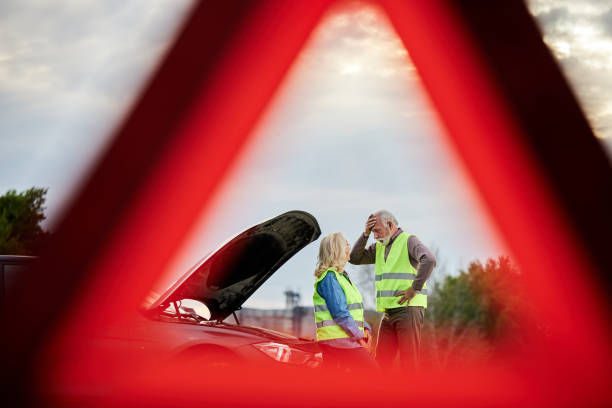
327,328
352,306
394,293
329,323
395,275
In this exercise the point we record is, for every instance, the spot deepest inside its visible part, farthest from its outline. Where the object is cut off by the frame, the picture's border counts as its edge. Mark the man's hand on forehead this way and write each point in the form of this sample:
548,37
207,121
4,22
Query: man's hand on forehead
370,223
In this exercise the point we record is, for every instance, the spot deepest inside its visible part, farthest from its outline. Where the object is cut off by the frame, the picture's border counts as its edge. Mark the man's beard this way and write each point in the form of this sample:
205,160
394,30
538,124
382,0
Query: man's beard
385,240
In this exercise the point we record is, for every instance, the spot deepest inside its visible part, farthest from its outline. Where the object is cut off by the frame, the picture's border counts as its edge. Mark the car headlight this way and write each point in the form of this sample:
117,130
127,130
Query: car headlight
285,354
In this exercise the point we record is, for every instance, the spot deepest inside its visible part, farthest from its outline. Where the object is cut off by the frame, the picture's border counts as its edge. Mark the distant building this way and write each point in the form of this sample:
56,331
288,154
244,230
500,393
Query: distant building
295,320
298,321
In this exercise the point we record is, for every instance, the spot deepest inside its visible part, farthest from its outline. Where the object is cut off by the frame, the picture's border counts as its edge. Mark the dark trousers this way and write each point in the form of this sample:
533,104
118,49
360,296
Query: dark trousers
400,333
351,359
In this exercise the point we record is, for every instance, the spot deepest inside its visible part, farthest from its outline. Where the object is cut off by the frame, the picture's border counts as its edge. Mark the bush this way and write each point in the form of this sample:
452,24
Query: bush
20,218
472,313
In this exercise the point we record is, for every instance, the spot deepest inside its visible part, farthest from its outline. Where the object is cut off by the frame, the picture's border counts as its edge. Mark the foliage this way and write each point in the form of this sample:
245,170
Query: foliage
472,314
484,297
20,218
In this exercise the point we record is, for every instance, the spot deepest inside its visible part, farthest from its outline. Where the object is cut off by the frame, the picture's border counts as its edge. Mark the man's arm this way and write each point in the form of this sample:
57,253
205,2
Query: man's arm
426,260
360,255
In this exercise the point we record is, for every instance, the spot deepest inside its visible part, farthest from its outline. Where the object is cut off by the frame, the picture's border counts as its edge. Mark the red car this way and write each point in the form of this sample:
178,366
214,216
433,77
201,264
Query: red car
188,319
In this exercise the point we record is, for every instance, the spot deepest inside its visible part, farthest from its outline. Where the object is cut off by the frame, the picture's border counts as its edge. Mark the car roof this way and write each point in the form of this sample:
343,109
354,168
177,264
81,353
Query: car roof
18,258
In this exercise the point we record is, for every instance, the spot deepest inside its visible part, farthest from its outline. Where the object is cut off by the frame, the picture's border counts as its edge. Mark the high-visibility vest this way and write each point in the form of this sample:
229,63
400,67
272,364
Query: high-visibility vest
395,275
327,328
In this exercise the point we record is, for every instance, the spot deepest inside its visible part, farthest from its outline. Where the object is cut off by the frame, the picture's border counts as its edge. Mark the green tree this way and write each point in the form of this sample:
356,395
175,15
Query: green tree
469,315
20,218
483,297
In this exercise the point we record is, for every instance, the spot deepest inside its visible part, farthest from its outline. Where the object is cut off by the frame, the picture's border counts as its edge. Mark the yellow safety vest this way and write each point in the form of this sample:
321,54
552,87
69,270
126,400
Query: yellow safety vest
395,275
327,328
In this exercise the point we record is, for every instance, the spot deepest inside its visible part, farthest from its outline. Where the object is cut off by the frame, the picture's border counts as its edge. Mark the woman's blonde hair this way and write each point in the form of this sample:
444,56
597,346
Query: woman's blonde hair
332,253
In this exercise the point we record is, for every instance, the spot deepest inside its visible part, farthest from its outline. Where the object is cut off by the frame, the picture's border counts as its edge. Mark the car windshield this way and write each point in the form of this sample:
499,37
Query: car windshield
189,308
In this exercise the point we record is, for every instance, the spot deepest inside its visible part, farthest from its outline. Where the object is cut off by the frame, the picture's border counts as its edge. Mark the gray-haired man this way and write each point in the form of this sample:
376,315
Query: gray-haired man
402,266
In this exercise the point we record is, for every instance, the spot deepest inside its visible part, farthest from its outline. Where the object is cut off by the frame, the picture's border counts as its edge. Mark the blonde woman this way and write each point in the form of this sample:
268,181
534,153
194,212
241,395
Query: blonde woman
342,332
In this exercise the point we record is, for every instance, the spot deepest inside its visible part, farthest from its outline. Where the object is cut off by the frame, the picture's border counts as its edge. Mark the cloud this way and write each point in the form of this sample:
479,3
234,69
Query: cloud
60,49
359,37
349,132
554,17
68,71
606,21
579,35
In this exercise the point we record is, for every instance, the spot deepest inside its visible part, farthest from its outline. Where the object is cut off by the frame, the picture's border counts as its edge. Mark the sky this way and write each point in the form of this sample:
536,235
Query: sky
350,130
579,33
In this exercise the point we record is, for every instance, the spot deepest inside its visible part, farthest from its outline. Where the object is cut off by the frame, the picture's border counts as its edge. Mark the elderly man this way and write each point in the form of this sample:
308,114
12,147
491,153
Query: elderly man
402,264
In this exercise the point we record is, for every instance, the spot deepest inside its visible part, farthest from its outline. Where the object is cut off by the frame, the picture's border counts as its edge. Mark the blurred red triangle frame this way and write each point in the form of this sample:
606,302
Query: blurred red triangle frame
199,108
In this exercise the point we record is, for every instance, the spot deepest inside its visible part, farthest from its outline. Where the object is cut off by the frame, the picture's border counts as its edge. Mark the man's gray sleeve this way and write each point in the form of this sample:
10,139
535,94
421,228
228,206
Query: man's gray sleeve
424,257
360,255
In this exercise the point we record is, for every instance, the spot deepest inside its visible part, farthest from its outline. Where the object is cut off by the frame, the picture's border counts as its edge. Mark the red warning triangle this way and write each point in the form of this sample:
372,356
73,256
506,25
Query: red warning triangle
194,118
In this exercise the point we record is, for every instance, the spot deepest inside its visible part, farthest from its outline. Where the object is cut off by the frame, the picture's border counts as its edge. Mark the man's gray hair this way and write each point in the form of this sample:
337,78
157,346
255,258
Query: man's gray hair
385,216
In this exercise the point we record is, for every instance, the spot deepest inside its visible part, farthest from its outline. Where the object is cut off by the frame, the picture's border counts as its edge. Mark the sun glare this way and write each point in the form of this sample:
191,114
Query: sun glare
350,69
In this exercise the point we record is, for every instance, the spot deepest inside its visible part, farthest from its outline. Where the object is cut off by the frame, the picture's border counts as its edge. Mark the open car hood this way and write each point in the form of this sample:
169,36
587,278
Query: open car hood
226,278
